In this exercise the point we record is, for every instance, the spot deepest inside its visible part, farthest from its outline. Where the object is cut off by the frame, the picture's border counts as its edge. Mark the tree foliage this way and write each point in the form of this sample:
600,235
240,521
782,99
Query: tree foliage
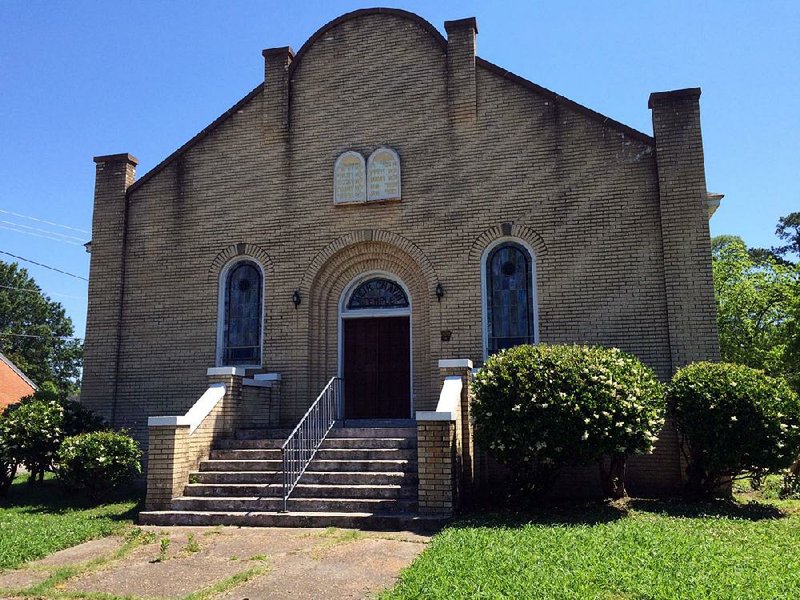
35,332
758,308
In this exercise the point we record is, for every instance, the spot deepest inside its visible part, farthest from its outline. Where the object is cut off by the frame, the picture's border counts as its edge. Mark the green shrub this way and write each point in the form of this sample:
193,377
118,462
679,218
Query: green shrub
734,420
33,432
539,408
77,418
98,461
8,464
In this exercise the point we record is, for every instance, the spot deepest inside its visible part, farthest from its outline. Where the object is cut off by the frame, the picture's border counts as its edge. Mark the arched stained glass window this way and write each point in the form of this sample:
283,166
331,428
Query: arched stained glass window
242,335
378,293
509,297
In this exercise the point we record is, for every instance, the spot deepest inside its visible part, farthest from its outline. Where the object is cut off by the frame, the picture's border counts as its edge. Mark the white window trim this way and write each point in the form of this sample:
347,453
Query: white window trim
223,276
344,313
484,301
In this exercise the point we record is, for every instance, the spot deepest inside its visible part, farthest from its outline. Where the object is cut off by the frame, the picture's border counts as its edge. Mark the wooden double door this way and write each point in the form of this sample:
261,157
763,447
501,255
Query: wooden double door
377,367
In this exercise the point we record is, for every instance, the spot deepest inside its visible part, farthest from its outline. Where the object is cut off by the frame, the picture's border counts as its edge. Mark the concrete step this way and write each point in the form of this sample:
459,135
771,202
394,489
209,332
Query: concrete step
246,454
311,490
221,490
315,477
254,444
263,434
373,432
316,465
236,477
362,465
302,490
366,454
267,466
370,442
322,454
253,503
349,520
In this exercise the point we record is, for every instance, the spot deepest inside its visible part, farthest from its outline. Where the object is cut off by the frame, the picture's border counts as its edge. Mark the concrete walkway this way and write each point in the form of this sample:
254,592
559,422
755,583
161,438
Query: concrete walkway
217,562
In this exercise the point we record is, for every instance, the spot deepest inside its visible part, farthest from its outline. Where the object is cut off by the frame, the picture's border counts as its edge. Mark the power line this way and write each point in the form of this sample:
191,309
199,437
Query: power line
39,235
8,212
39,291
47,231
43,265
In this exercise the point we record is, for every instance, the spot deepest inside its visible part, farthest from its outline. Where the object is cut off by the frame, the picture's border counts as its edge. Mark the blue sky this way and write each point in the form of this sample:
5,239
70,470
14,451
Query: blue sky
79,79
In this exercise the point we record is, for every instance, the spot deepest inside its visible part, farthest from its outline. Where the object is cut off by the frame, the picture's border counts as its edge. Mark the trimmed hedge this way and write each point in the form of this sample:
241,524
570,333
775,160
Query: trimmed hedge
98,461
734,420
539,408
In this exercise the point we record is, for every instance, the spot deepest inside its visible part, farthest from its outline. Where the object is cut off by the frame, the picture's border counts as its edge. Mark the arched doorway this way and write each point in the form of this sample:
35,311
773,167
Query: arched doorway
375,348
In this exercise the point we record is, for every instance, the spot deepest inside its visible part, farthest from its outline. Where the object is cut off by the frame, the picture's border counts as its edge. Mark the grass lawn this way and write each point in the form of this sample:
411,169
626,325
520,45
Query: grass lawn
646,549
38,520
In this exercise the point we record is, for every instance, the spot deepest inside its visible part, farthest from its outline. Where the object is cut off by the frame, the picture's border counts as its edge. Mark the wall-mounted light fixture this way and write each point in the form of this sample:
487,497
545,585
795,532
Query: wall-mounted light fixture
439,292
296,299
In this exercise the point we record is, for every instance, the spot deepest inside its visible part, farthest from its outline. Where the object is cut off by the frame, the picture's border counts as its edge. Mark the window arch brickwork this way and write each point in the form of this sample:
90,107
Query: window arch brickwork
241,311
510,314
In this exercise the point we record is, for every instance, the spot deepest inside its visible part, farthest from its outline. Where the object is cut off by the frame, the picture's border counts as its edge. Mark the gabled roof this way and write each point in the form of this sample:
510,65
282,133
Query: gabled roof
15,369
442,41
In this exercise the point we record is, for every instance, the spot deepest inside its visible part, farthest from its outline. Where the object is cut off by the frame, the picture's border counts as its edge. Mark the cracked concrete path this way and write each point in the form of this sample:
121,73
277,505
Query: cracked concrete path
224,562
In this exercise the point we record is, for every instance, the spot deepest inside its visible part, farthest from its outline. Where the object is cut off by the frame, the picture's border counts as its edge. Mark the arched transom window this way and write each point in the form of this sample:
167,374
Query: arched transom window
509,297
241,337
377,293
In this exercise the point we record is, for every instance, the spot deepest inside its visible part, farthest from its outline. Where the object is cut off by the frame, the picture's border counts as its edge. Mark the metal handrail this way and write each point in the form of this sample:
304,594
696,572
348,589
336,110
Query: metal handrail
300,447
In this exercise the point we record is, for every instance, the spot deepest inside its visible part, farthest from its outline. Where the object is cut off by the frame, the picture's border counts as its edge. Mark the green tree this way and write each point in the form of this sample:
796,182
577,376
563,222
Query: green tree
788,231
35,332
758,308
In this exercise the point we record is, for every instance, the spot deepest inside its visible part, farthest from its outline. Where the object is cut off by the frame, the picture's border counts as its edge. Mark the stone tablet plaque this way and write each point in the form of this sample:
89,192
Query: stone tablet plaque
349,178
383,175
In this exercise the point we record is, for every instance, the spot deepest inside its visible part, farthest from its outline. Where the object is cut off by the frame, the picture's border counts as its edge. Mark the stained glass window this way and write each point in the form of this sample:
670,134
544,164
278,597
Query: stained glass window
509,297
378,293
243,315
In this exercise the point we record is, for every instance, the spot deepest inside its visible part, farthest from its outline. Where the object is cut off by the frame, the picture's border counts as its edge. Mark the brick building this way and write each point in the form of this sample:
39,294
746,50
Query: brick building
373,215
14,384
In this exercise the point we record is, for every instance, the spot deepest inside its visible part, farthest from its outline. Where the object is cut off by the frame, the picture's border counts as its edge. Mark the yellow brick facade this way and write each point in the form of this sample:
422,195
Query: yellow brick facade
616,220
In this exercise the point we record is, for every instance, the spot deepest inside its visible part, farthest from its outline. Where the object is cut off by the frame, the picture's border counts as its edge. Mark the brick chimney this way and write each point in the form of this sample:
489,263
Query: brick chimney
276,92
461,41
114,173
684,226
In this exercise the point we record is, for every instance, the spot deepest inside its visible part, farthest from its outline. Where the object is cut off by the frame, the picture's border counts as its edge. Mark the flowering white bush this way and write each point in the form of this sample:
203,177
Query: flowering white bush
98,461
735,420
538,408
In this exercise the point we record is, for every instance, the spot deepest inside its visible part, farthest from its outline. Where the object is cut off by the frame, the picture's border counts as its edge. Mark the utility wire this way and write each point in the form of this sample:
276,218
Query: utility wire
39,291
39,235
8,212
43,265
47,231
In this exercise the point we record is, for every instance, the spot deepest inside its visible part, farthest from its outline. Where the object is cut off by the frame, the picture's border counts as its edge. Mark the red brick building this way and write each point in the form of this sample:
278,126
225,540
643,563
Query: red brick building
14,385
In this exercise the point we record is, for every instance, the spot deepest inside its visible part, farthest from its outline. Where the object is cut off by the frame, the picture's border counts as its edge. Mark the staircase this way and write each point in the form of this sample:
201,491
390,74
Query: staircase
360,477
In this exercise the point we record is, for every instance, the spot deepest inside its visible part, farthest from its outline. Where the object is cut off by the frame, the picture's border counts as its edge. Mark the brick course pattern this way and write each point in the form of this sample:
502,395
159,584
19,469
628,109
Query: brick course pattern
437,456
619,230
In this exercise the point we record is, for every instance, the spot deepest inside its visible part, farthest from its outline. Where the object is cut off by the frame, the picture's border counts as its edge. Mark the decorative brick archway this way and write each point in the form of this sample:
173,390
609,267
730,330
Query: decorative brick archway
324,290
